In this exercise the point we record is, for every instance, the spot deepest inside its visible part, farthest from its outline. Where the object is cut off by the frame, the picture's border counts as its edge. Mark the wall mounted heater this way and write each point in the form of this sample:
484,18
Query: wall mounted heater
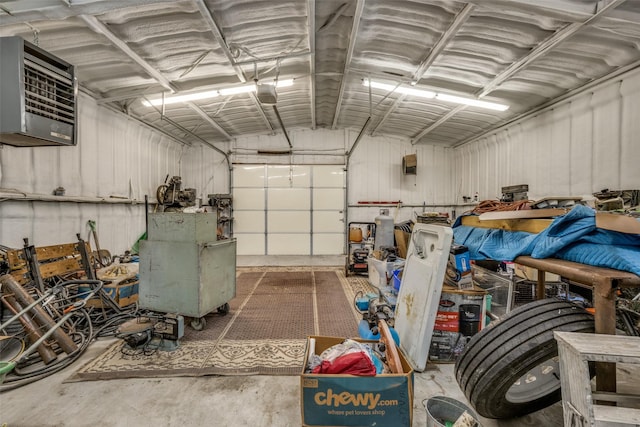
37,96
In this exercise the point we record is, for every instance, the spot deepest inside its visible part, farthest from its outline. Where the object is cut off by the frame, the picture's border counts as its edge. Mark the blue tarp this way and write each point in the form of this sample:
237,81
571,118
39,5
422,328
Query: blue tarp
572,237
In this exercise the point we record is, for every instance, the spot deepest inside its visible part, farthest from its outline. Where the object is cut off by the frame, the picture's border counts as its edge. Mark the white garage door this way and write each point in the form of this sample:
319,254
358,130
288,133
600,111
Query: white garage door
289,210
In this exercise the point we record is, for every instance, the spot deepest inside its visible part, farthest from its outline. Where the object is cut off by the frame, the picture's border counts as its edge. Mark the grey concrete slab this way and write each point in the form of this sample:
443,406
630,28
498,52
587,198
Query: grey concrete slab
202,401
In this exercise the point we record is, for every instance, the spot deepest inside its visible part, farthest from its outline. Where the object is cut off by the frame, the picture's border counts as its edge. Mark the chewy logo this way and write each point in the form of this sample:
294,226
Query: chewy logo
369,400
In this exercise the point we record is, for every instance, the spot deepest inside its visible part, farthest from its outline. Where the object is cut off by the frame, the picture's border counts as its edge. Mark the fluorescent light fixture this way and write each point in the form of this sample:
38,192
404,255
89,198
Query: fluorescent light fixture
238,90
234,90
437,95
400,89
181,98
471,102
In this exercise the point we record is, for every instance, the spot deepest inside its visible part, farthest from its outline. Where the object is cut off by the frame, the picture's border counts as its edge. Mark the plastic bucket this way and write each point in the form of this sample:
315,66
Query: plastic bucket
443,411
397,279
355,234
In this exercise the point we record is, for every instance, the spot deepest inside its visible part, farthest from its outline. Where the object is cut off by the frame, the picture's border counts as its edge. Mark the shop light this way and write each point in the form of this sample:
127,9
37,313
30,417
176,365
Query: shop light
234,90
472,102
400,89
437,95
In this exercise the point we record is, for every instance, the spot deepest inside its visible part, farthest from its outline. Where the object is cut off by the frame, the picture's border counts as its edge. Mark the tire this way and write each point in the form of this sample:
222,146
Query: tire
511,368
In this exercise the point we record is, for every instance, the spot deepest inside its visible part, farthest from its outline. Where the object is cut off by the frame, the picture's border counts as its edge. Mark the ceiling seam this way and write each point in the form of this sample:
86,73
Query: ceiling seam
352,42
540,50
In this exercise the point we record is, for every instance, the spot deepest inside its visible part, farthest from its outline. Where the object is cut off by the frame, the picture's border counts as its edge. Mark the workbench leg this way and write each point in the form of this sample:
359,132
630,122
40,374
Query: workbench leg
540,286
604,302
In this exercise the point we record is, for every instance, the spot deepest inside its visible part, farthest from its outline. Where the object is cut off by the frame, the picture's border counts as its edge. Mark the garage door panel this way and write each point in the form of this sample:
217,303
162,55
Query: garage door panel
328,176
328,198
249,176
285,210
328,244
328,222
289,221
248,198
289,244
250,244
249,221
289,176
289,198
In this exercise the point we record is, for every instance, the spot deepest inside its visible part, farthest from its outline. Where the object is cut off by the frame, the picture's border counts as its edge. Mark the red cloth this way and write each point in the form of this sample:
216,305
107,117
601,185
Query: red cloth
356,363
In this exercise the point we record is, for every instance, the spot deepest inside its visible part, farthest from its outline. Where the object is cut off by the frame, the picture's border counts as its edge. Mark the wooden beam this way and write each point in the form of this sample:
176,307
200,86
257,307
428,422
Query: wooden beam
523,214
528,225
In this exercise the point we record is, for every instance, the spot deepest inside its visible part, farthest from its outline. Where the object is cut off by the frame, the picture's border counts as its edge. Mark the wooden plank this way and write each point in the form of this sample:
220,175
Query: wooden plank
616,222
391,351
401,241
523,214
57,268
616,414
46,253
15,258
21,275
607,348
528,225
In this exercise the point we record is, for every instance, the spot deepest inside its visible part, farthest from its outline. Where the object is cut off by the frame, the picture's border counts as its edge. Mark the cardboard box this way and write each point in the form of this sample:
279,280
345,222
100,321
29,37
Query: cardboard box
123,294
347,400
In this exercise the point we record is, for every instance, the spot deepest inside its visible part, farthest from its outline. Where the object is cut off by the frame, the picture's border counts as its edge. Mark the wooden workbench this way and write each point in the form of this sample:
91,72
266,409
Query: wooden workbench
603,282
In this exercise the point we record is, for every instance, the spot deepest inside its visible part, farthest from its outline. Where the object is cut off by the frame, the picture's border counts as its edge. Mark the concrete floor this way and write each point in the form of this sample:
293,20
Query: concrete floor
212,401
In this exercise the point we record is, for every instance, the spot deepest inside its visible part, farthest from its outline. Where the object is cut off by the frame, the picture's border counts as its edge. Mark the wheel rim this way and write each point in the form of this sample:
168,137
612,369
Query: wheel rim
540,381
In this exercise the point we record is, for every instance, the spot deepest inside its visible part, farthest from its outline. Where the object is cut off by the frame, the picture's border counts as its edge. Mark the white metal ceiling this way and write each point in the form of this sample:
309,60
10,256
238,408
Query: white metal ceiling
525,53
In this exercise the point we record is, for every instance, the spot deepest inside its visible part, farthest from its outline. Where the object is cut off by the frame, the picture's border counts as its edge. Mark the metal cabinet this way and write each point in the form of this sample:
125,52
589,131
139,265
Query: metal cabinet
183,269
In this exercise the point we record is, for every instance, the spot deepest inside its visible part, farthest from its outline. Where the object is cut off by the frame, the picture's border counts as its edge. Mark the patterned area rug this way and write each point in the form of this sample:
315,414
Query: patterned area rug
264,333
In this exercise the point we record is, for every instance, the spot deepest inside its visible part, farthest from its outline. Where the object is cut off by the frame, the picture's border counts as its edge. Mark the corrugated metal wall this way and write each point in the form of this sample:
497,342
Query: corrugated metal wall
583,145
116,158
206,170
375,175
587,143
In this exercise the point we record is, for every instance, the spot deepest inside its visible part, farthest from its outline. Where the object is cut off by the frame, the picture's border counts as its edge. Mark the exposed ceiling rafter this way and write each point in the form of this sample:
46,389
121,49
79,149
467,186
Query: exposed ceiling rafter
207,118
275,58
551,104
399,100
444,40
100,28
435,51
582,10
352,43
545,47
540,50
217,33
311,28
